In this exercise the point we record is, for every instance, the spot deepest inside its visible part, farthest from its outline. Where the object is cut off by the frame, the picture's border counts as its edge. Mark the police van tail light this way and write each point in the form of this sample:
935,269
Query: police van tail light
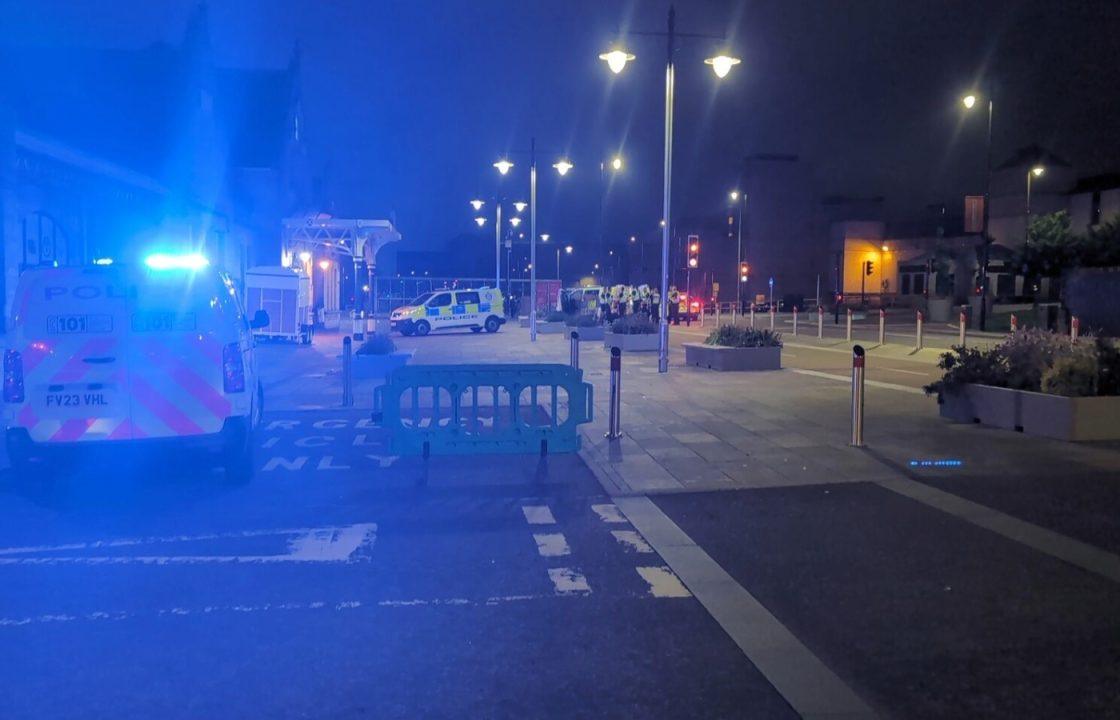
13,377
233,368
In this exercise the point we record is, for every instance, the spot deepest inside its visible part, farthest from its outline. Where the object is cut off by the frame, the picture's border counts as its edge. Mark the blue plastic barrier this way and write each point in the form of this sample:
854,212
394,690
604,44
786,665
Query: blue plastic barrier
474,409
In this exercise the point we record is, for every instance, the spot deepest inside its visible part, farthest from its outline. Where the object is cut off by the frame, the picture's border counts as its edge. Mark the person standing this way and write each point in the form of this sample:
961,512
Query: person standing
674,305
655,305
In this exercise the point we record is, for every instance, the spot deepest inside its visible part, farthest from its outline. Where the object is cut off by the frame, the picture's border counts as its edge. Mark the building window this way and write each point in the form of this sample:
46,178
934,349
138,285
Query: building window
1095,211
904,285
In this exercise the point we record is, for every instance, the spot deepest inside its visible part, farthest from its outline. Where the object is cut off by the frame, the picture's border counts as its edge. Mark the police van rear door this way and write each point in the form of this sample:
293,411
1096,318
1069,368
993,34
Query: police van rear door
182,338
73,329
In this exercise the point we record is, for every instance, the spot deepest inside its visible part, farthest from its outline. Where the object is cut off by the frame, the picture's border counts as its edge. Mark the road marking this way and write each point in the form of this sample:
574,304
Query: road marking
384,461
568,582
272,607
632,540
663,583
538,515
608,513
907,372
799,676
552,544
872,383
328,544
1074,552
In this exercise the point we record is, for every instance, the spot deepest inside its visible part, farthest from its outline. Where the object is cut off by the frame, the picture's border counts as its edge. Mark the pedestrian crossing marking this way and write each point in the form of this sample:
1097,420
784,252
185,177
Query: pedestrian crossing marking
663,582
538,515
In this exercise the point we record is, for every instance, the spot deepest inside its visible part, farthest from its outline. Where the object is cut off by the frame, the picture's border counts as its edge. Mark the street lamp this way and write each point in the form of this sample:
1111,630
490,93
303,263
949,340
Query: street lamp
305,257
480,221
1034,172
616,163
477,204
515,221
503,166
616,59
969,101
562,167
520,206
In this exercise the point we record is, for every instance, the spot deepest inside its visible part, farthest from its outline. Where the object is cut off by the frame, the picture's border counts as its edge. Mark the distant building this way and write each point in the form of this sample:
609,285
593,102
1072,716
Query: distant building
106,152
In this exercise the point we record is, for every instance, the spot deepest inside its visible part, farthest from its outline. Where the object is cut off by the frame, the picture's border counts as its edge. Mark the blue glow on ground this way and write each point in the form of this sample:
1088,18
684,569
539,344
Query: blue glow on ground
936,463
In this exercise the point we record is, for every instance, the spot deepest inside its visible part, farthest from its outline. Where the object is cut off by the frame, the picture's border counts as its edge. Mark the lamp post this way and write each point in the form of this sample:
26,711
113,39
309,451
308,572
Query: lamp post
741,200
615,166
616,59
1034,172
969,101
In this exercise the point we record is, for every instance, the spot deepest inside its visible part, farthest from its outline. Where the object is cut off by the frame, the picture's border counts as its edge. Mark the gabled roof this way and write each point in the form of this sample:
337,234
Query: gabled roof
1031,155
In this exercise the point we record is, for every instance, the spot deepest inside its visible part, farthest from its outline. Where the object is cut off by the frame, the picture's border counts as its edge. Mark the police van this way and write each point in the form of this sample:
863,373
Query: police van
478,309
130,356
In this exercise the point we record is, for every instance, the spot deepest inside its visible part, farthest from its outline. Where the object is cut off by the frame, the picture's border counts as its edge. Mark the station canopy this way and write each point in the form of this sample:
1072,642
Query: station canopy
354,237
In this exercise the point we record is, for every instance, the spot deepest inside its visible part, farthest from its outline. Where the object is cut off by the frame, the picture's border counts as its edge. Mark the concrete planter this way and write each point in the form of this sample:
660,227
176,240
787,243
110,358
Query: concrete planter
718,357
1078,419
956,407
586,334
631,343
995,406
550,328
376,367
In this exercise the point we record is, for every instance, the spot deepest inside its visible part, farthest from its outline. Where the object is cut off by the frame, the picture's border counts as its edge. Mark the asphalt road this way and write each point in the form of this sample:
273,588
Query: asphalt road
342,582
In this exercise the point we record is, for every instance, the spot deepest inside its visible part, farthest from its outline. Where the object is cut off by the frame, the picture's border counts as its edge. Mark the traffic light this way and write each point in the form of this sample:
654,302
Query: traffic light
869,267
693,251
744,271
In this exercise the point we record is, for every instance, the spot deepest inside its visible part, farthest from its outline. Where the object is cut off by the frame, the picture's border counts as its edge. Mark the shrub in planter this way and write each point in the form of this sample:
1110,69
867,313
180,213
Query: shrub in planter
1072,376
968,366
1027,354
633,325
743,337
551,315
377,344
582,321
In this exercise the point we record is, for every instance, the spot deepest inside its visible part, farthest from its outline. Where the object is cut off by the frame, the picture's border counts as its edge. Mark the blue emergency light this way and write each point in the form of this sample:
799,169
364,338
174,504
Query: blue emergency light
165,261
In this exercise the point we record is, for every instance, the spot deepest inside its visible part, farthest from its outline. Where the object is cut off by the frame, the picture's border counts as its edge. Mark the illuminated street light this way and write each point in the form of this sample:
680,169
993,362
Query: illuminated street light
616,162
722,64
734,196
1034,172
515,221
480,221
503,166
1037,170
969,101
562,167
545,237
477,204
520,206
325,264
616,60
568,249
305,257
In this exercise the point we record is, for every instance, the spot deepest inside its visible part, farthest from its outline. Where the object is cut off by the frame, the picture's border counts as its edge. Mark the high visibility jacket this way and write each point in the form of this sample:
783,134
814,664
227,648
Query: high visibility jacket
674,296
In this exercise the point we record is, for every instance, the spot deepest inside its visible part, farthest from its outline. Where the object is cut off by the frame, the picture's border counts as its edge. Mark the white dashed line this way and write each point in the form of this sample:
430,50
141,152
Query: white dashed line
632,540
663,583
568,581
608,513
552,544
538,515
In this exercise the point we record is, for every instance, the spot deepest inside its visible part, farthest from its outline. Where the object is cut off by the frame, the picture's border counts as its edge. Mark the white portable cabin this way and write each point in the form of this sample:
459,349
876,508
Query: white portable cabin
285,294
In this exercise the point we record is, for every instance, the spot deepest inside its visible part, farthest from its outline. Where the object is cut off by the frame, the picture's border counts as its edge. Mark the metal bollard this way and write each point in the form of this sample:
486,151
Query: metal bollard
701,314
1014,324
820,322
849,333
857,395
795,321
752,316
963,332
921,317
574,362
347,372
717,314
614,423
1074,328
771,318
882,326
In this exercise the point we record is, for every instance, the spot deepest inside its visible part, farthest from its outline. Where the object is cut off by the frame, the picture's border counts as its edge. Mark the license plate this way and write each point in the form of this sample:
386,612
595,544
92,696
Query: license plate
163,322
79,324
85,399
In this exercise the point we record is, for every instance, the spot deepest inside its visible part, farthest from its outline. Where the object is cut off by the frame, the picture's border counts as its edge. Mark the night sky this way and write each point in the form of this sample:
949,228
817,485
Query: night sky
408,103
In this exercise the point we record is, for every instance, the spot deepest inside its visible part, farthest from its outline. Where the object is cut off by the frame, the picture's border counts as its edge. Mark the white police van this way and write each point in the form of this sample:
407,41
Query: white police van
475,308
111,354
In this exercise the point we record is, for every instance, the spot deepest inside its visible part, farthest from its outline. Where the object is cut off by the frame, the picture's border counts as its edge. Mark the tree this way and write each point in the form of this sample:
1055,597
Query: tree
1100,247
1051,247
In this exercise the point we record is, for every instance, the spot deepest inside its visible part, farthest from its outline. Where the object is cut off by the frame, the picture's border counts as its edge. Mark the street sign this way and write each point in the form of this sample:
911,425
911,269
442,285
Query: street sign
715,290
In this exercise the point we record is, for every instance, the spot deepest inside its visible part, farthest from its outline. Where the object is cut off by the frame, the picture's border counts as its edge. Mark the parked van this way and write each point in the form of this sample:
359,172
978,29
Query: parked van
478,309
116,354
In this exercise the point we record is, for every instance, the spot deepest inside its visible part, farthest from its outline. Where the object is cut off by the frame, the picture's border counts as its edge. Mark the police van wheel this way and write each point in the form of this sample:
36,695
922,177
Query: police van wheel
423,328
492,324
476,329
407,330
